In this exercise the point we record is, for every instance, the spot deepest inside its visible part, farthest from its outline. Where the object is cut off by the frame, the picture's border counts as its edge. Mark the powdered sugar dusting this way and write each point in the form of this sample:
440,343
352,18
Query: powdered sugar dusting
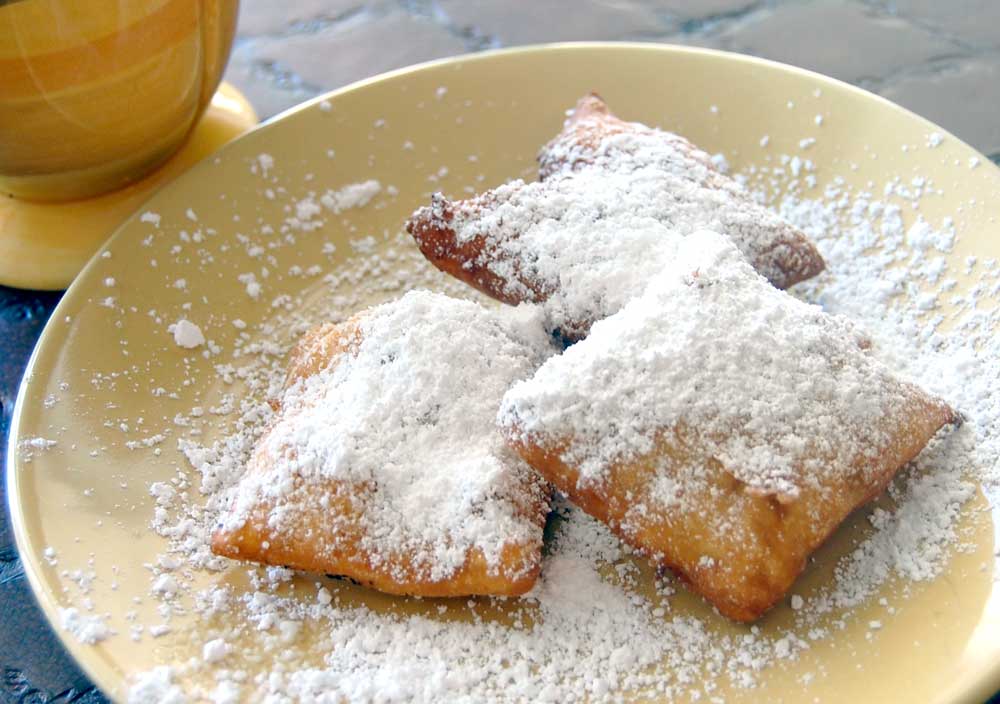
354,195
88,629
409,412
157,686
187,334
782,394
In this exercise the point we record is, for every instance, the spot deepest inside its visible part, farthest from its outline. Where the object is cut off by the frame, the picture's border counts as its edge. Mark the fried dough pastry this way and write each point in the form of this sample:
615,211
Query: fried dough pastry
584,142
383,462
614,199
720,426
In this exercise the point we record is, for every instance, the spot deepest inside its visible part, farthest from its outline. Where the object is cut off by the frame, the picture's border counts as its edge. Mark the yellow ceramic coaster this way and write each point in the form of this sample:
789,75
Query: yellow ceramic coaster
44,245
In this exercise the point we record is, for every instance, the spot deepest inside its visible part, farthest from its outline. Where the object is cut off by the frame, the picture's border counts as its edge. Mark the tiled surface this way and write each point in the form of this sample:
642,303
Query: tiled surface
939,58
848,41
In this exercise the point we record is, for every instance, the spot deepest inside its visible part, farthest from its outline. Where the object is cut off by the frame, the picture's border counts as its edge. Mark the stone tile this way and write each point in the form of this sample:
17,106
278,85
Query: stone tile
553,20
840,39
271,17
963,100
686,10
975,22
261,84
274,70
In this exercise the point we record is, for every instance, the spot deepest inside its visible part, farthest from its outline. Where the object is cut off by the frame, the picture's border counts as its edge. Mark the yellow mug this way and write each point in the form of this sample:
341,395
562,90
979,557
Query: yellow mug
96,94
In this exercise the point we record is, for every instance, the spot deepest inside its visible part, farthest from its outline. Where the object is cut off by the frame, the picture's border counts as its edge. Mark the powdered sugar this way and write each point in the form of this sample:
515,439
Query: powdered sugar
88,629
156,686
187,334
409,412
353,195
151,218
782,394
215,650
606,219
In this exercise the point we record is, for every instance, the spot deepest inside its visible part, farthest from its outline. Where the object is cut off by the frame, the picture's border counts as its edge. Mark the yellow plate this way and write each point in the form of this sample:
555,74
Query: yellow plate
99,362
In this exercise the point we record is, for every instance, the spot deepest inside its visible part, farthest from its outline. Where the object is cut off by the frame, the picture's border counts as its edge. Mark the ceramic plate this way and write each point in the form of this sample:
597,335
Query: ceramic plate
107,381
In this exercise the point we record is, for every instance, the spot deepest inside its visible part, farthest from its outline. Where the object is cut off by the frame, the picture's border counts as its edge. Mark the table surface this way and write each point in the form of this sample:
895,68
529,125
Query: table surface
940,59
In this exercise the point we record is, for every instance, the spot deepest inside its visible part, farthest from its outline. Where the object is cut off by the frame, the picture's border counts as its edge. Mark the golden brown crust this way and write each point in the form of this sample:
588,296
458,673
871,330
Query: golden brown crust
469,261
327,535
326,540
740,550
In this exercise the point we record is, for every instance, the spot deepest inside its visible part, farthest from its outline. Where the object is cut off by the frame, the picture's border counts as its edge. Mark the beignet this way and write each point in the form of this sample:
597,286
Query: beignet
384,463
615,199
720,426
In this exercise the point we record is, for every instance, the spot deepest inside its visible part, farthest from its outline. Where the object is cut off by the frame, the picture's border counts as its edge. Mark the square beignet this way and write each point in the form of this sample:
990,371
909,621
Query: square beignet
720,426
384,463
615,198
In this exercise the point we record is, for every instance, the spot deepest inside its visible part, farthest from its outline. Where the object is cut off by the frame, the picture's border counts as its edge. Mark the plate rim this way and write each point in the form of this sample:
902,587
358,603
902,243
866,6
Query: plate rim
984,685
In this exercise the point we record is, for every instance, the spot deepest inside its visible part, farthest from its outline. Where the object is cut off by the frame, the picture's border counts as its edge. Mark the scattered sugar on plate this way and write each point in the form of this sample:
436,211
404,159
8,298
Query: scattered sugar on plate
253,287
86,629
156,687
354,195
265,162
186,334
215,650
151,218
